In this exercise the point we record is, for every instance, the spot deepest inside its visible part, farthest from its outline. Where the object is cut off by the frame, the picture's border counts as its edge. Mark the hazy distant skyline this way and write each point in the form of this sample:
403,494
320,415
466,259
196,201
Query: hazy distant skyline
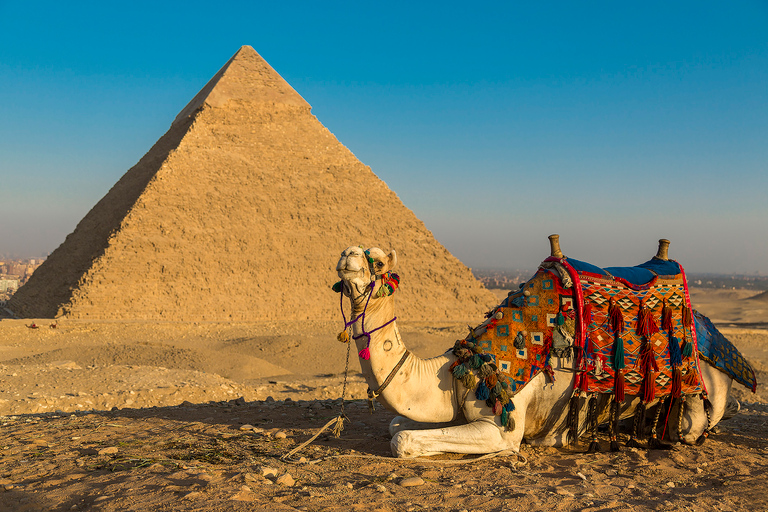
613,125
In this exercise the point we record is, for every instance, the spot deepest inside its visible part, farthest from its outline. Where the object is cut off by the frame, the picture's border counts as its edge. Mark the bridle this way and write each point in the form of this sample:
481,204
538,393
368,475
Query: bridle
365,352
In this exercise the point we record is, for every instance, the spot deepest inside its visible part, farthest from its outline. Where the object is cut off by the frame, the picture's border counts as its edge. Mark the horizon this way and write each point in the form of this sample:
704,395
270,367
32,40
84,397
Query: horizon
498,125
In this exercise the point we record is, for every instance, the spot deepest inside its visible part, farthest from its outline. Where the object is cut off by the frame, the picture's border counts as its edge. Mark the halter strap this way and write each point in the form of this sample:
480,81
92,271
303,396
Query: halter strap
375,394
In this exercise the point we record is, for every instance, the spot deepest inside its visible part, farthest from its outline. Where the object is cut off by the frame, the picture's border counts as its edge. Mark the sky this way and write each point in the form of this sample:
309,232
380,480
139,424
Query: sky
613,124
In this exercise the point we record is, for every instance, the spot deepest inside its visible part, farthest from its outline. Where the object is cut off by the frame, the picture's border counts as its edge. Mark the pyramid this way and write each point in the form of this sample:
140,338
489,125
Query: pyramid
240,212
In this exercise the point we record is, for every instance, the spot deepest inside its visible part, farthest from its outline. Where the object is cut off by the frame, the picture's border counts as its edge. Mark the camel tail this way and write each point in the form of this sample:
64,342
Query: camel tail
732,407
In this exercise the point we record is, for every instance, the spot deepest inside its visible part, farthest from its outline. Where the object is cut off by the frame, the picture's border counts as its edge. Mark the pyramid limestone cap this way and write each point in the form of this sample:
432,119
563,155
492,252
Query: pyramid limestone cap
245,77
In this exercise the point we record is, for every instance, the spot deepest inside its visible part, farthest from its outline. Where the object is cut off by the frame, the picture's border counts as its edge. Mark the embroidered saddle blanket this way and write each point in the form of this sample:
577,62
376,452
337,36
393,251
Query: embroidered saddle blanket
720,353
628,329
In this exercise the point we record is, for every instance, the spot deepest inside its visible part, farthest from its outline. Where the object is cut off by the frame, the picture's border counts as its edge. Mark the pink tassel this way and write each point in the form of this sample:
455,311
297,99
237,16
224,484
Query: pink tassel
365,354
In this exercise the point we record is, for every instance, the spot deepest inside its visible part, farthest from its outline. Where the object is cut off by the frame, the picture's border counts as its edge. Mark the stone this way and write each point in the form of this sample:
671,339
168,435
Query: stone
246,427
267,471
111,450
411,481
380,488
280,435
286,480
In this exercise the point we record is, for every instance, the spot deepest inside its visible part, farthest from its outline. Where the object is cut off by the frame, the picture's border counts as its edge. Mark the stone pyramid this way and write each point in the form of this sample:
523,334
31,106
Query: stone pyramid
240,212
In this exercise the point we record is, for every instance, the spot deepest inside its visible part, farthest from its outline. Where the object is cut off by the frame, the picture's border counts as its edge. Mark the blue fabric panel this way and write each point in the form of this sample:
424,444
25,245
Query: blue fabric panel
581,266
634,275
661,267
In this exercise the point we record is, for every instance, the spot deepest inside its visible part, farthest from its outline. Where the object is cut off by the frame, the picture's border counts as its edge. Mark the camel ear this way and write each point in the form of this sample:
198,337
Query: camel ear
392,259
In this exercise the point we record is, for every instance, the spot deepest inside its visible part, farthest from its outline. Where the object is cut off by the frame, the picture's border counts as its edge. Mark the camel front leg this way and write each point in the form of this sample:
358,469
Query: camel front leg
400,423
481,436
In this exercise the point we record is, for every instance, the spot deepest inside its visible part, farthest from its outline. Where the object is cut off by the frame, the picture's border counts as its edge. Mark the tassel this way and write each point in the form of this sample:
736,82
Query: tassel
459,371
491,382
486,372
691,378
675,356
677,378
343,337
454,365
475,361
687,320
587,314
365,354
337,287
646,326
594,446
637,426
666,317
616,317
614,426
687,348
649,366
573,420
618,353
504,416
482,392
469,381
497,408
618,386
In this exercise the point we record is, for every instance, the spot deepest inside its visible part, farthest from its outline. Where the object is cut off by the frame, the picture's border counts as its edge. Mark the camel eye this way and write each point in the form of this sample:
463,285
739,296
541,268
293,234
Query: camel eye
379,264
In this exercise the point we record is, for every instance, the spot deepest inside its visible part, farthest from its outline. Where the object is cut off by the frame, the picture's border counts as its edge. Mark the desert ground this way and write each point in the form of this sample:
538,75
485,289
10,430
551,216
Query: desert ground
198,416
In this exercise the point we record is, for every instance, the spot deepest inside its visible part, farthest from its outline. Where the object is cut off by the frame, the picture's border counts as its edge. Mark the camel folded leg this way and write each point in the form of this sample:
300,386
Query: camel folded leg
400,423
481,436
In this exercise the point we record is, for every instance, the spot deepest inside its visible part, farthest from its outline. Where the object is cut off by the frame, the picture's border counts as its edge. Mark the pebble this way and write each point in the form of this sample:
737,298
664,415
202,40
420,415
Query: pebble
286,480
267,471
280,435
108,451
192,495
246,427
670,484
411,481
381,488
611,472
581,475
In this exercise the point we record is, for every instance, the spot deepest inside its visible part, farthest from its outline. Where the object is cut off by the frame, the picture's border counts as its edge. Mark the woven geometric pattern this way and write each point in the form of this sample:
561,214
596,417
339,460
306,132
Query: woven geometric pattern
720,353
598,292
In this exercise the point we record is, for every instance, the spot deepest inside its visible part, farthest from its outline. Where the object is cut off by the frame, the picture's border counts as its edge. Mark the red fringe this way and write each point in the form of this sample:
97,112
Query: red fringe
649,366
691,378
584,384
666,317
646,326
497,408
677,386
687,320
618,386
616,317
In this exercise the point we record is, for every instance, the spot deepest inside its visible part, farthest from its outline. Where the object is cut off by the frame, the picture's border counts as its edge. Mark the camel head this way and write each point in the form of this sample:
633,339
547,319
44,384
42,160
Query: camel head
358,267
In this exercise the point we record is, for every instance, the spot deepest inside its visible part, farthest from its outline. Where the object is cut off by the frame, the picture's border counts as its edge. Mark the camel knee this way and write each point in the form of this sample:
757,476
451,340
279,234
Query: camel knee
402,444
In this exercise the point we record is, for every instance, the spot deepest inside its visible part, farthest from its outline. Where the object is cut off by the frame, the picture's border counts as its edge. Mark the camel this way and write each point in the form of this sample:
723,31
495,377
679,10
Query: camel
438,414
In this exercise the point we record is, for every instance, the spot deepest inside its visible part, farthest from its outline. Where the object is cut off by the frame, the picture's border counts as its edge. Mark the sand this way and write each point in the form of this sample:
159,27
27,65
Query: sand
191,416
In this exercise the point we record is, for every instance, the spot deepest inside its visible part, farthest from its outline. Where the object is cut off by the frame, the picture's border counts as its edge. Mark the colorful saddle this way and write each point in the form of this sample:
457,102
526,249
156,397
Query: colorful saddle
629,330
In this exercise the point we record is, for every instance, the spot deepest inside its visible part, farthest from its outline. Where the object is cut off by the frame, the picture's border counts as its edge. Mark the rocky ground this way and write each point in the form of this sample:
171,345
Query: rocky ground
145,416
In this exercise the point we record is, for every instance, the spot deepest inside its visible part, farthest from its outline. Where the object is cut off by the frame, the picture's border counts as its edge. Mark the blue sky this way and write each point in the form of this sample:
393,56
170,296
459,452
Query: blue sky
612,124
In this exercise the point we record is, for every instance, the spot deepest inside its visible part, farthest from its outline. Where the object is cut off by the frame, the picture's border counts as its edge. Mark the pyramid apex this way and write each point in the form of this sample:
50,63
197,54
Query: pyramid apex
245,77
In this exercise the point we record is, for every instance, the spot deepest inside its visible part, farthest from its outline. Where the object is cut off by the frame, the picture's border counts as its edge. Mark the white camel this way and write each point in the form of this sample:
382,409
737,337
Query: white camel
437,414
